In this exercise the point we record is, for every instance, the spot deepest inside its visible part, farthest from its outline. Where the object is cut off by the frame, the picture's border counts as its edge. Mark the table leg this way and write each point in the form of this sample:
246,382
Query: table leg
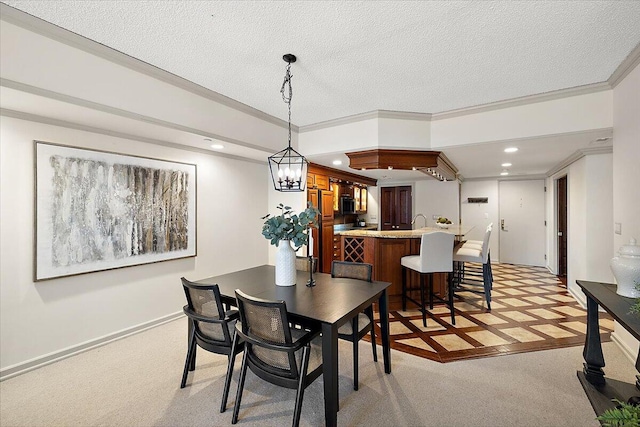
330,373
383,307
592,353
192,362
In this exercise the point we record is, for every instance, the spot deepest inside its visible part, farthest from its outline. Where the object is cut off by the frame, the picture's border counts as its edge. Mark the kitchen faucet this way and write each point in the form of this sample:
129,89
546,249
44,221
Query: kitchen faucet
413,221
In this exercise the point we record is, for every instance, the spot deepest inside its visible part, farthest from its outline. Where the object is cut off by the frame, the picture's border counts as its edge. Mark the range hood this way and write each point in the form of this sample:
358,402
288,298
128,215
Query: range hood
431,163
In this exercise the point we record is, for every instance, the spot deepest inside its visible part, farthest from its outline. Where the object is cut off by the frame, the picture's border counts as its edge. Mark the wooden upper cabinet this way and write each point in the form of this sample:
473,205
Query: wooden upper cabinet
363,199
322,182
315,180
335,189
395,208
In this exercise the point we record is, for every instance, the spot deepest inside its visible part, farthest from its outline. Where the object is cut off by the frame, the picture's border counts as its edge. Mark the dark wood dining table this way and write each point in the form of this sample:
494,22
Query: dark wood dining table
329,304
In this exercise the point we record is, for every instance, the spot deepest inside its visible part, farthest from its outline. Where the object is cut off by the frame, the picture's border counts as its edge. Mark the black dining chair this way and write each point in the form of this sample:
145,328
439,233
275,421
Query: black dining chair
361,324
281,355
211,327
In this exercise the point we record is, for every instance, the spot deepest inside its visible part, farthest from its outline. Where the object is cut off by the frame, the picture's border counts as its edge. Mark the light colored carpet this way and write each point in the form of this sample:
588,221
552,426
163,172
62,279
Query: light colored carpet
135,382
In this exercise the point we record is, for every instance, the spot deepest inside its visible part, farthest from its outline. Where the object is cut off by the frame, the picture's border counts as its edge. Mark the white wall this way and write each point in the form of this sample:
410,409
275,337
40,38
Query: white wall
431,197
406,134
479,215
340,139
39,320
373,209
626,172
572,114
589,210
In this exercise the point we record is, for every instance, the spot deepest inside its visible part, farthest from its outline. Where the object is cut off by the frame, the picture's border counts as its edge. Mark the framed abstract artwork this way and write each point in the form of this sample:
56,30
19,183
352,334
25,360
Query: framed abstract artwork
96,210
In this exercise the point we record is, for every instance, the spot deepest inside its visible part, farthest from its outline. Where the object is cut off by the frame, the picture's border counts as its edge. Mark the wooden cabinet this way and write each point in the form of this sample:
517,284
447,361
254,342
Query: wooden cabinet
327,247
312,196
315,180
337,248
335,189
395,208
326,208
360,196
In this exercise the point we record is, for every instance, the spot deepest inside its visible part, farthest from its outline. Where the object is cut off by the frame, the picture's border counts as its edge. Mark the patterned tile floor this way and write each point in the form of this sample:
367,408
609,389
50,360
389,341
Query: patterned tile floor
531,310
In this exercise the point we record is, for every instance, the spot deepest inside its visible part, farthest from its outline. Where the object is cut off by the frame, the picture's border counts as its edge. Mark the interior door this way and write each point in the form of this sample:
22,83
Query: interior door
522,227
562,226
403,208
395,208
387,202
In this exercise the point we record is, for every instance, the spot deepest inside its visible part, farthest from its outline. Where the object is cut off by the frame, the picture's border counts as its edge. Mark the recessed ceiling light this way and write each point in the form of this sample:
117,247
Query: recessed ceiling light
505,165
217,146
337,162
510,150
503,173
606,138
207,139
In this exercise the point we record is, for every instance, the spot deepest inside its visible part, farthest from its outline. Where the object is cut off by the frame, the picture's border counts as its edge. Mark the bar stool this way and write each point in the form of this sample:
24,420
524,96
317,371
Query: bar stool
477,244
464,254
436,256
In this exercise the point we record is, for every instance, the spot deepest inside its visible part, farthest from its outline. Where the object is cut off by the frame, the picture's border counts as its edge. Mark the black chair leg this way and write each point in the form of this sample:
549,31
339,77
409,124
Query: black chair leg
354,337
404,288
450,283
300,394
490,269
486,282
190,352
227,380
430,291
424,308
243,374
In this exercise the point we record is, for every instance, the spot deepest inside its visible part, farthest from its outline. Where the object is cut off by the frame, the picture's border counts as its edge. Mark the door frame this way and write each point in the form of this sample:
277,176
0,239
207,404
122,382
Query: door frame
558,214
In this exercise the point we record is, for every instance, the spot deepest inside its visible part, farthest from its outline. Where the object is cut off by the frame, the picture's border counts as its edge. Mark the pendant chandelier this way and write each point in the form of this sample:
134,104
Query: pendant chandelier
288,167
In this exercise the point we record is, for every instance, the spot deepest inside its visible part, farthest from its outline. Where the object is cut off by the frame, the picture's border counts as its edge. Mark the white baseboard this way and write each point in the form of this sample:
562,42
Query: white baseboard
579,297
626,350
29,365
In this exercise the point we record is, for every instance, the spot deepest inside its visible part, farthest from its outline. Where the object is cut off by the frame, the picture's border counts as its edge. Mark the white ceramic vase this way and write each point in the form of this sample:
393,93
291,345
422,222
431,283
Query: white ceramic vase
626,269
285,264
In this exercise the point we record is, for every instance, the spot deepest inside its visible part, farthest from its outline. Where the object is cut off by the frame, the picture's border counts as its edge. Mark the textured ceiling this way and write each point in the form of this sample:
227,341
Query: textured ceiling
356,57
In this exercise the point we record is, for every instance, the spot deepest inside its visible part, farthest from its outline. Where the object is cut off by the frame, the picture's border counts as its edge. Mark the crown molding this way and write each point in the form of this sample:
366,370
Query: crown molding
376,114
524,100
4,112
29,22
507,178
577,155
630,62
11,84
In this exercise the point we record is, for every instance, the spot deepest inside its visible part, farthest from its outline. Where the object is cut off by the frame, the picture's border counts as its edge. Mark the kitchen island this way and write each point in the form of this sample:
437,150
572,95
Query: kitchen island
384,249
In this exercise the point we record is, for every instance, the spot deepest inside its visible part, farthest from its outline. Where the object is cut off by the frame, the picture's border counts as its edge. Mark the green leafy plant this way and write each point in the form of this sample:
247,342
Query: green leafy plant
635,308
289,225
624,415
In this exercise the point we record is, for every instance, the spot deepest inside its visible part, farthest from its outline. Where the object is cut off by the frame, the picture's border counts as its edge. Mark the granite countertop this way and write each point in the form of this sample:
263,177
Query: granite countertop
460,230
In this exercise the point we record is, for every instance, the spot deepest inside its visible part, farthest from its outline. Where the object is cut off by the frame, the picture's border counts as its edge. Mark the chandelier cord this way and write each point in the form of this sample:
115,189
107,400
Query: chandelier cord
285,98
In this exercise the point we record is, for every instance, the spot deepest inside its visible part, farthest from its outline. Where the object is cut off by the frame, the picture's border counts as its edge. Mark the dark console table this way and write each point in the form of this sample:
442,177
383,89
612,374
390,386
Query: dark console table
601,390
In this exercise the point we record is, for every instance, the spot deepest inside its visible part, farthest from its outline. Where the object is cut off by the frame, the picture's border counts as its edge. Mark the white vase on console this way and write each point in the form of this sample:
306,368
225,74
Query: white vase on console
285,264
626,269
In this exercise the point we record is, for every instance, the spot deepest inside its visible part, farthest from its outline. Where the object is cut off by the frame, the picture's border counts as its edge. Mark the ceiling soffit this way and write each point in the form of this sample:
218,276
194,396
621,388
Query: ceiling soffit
432,163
